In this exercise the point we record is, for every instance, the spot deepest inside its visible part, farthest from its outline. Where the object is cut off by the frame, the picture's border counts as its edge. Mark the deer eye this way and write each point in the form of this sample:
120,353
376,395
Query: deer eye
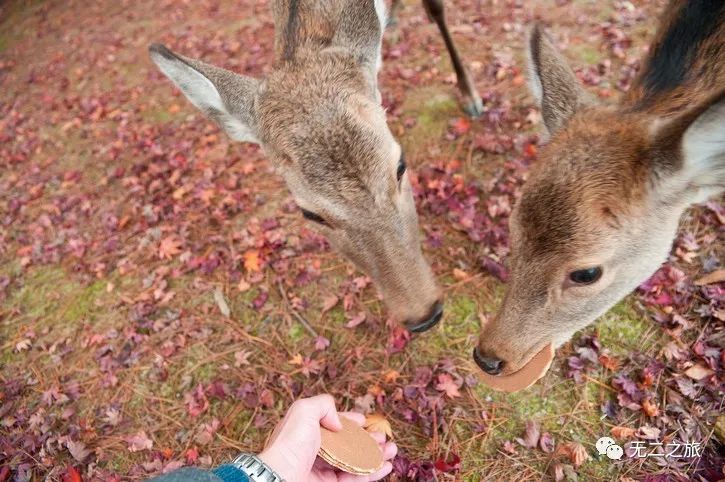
401,167
586,276
310,216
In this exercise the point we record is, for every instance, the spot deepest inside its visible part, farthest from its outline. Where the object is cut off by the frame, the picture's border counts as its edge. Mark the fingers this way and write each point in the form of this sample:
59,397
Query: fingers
378,436
380,474
383,472
320,408
390,450
358,418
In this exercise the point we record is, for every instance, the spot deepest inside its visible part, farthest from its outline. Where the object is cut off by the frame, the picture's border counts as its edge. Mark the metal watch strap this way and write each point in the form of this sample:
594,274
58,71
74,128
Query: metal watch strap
255,469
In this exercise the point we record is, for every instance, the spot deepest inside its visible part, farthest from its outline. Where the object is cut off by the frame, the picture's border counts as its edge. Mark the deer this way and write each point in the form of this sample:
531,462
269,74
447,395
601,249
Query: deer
318,117
601,205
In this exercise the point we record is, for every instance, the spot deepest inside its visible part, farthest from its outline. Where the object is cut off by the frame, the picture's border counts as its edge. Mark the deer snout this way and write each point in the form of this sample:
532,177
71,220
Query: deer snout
429,321
488,363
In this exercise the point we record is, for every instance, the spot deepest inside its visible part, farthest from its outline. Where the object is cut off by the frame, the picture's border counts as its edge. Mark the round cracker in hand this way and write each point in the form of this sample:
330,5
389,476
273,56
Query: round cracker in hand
526,376
351,449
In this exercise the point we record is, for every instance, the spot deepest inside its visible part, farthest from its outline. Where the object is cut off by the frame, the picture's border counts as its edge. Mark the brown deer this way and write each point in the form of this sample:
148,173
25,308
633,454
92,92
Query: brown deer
319,119
601,207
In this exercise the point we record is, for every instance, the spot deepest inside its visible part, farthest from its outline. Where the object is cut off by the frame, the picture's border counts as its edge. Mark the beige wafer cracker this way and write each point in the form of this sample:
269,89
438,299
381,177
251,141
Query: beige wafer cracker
351,450
526,376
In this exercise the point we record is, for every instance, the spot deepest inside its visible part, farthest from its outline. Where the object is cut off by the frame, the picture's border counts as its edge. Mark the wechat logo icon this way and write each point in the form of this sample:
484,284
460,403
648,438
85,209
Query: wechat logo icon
607,446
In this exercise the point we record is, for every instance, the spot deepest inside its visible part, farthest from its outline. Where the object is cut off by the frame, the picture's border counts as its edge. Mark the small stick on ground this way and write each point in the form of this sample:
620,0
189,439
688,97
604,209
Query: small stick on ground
299,317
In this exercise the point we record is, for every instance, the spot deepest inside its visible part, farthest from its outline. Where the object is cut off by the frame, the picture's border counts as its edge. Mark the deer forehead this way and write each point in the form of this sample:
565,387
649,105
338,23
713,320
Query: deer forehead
339,163
582,190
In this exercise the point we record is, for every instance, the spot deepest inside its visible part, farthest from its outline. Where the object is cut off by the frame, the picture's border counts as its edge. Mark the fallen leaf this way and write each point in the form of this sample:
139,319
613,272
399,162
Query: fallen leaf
648,433
251,260
221,302
575,452
172,466
241,358
71,474
139,442
329,303
622,433
78,450
112,417
461,126
609,362
321,343
460,275
531,435
170,246
698,372
557,471
391,376
378,423
22,345
651,409
448,386
449,466
356,320
717,276
546,443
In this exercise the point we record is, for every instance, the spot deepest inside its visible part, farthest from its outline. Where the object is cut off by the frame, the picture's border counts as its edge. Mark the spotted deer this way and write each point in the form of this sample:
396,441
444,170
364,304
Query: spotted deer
319,119
602,204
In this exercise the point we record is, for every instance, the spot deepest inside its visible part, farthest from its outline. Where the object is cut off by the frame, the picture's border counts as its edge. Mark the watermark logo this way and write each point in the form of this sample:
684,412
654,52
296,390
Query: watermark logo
638,449
673,450
607,446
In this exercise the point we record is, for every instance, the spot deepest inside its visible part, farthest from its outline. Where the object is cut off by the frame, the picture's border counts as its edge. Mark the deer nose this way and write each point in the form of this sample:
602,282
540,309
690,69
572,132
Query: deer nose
434,316
490,365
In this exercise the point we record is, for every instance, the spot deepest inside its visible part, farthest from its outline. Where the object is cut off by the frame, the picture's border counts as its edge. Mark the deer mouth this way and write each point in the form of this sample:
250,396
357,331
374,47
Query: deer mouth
525,376
435,315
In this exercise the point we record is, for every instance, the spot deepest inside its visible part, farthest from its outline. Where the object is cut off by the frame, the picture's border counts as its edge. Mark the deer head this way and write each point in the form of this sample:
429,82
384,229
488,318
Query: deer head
601,206
318,118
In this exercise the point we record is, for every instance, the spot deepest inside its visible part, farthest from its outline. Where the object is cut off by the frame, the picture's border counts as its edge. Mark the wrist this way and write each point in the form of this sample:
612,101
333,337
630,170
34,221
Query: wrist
279,462
254,469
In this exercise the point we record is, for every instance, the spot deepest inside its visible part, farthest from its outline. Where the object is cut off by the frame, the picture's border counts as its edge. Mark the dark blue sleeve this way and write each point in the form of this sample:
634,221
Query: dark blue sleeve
223,473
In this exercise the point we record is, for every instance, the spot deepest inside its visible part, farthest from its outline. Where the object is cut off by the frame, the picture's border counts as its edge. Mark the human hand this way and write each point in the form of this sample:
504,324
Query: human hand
295,442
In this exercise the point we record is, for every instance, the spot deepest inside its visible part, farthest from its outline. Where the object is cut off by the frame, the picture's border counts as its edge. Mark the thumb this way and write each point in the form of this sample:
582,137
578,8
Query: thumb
320,408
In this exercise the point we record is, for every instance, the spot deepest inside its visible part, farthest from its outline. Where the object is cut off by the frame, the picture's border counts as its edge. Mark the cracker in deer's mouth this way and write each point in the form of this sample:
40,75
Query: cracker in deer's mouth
524,377
352,449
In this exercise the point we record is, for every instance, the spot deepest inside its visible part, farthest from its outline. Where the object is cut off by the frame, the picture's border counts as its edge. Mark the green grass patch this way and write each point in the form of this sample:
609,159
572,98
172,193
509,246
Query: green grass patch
50,299
566,410
623,330
158,115
432,110
586,54
460,317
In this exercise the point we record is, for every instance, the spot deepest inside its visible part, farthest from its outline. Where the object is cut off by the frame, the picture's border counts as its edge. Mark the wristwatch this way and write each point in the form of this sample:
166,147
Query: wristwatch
255,469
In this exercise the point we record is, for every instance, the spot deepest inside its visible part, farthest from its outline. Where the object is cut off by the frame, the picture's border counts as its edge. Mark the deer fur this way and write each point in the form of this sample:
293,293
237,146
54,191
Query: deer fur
611,184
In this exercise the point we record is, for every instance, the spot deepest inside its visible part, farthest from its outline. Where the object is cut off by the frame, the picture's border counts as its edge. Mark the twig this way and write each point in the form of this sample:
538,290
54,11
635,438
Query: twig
294,312
594,380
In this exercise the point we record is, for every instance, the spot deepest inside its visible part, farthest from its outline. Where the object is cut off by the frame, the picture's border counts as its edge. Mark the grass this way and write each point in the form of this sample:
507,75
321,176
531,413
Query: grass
432,111
49,300
625,330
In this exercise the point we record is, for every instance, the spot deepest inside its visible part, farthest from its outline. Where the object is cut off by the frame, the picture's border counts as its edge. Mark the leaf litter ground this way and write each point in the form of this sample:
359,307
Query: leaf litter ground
162,302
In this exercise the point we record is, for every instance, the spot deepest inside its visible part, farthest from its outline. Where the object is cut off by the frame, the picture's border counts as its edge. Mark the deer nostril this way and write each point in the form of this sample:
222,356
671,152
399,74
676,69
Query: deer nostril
492,366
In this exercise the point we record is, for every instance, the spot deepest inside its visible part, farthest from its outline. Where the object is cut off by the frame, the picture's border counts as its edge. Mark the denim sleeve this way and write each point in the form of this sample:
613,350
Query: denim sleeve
223,473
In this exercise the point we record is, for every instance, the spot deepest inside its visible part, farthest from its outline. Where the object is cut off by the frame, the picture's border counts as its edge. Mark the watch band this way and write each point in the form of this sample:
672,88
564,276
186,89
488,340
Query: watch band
255,469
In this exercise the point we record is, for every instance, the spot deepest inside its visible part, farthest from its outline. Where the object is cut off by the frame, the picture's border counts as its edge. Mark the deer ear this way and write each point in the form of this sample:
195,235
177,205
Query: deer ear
360,30
692,144
224,96
552,81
